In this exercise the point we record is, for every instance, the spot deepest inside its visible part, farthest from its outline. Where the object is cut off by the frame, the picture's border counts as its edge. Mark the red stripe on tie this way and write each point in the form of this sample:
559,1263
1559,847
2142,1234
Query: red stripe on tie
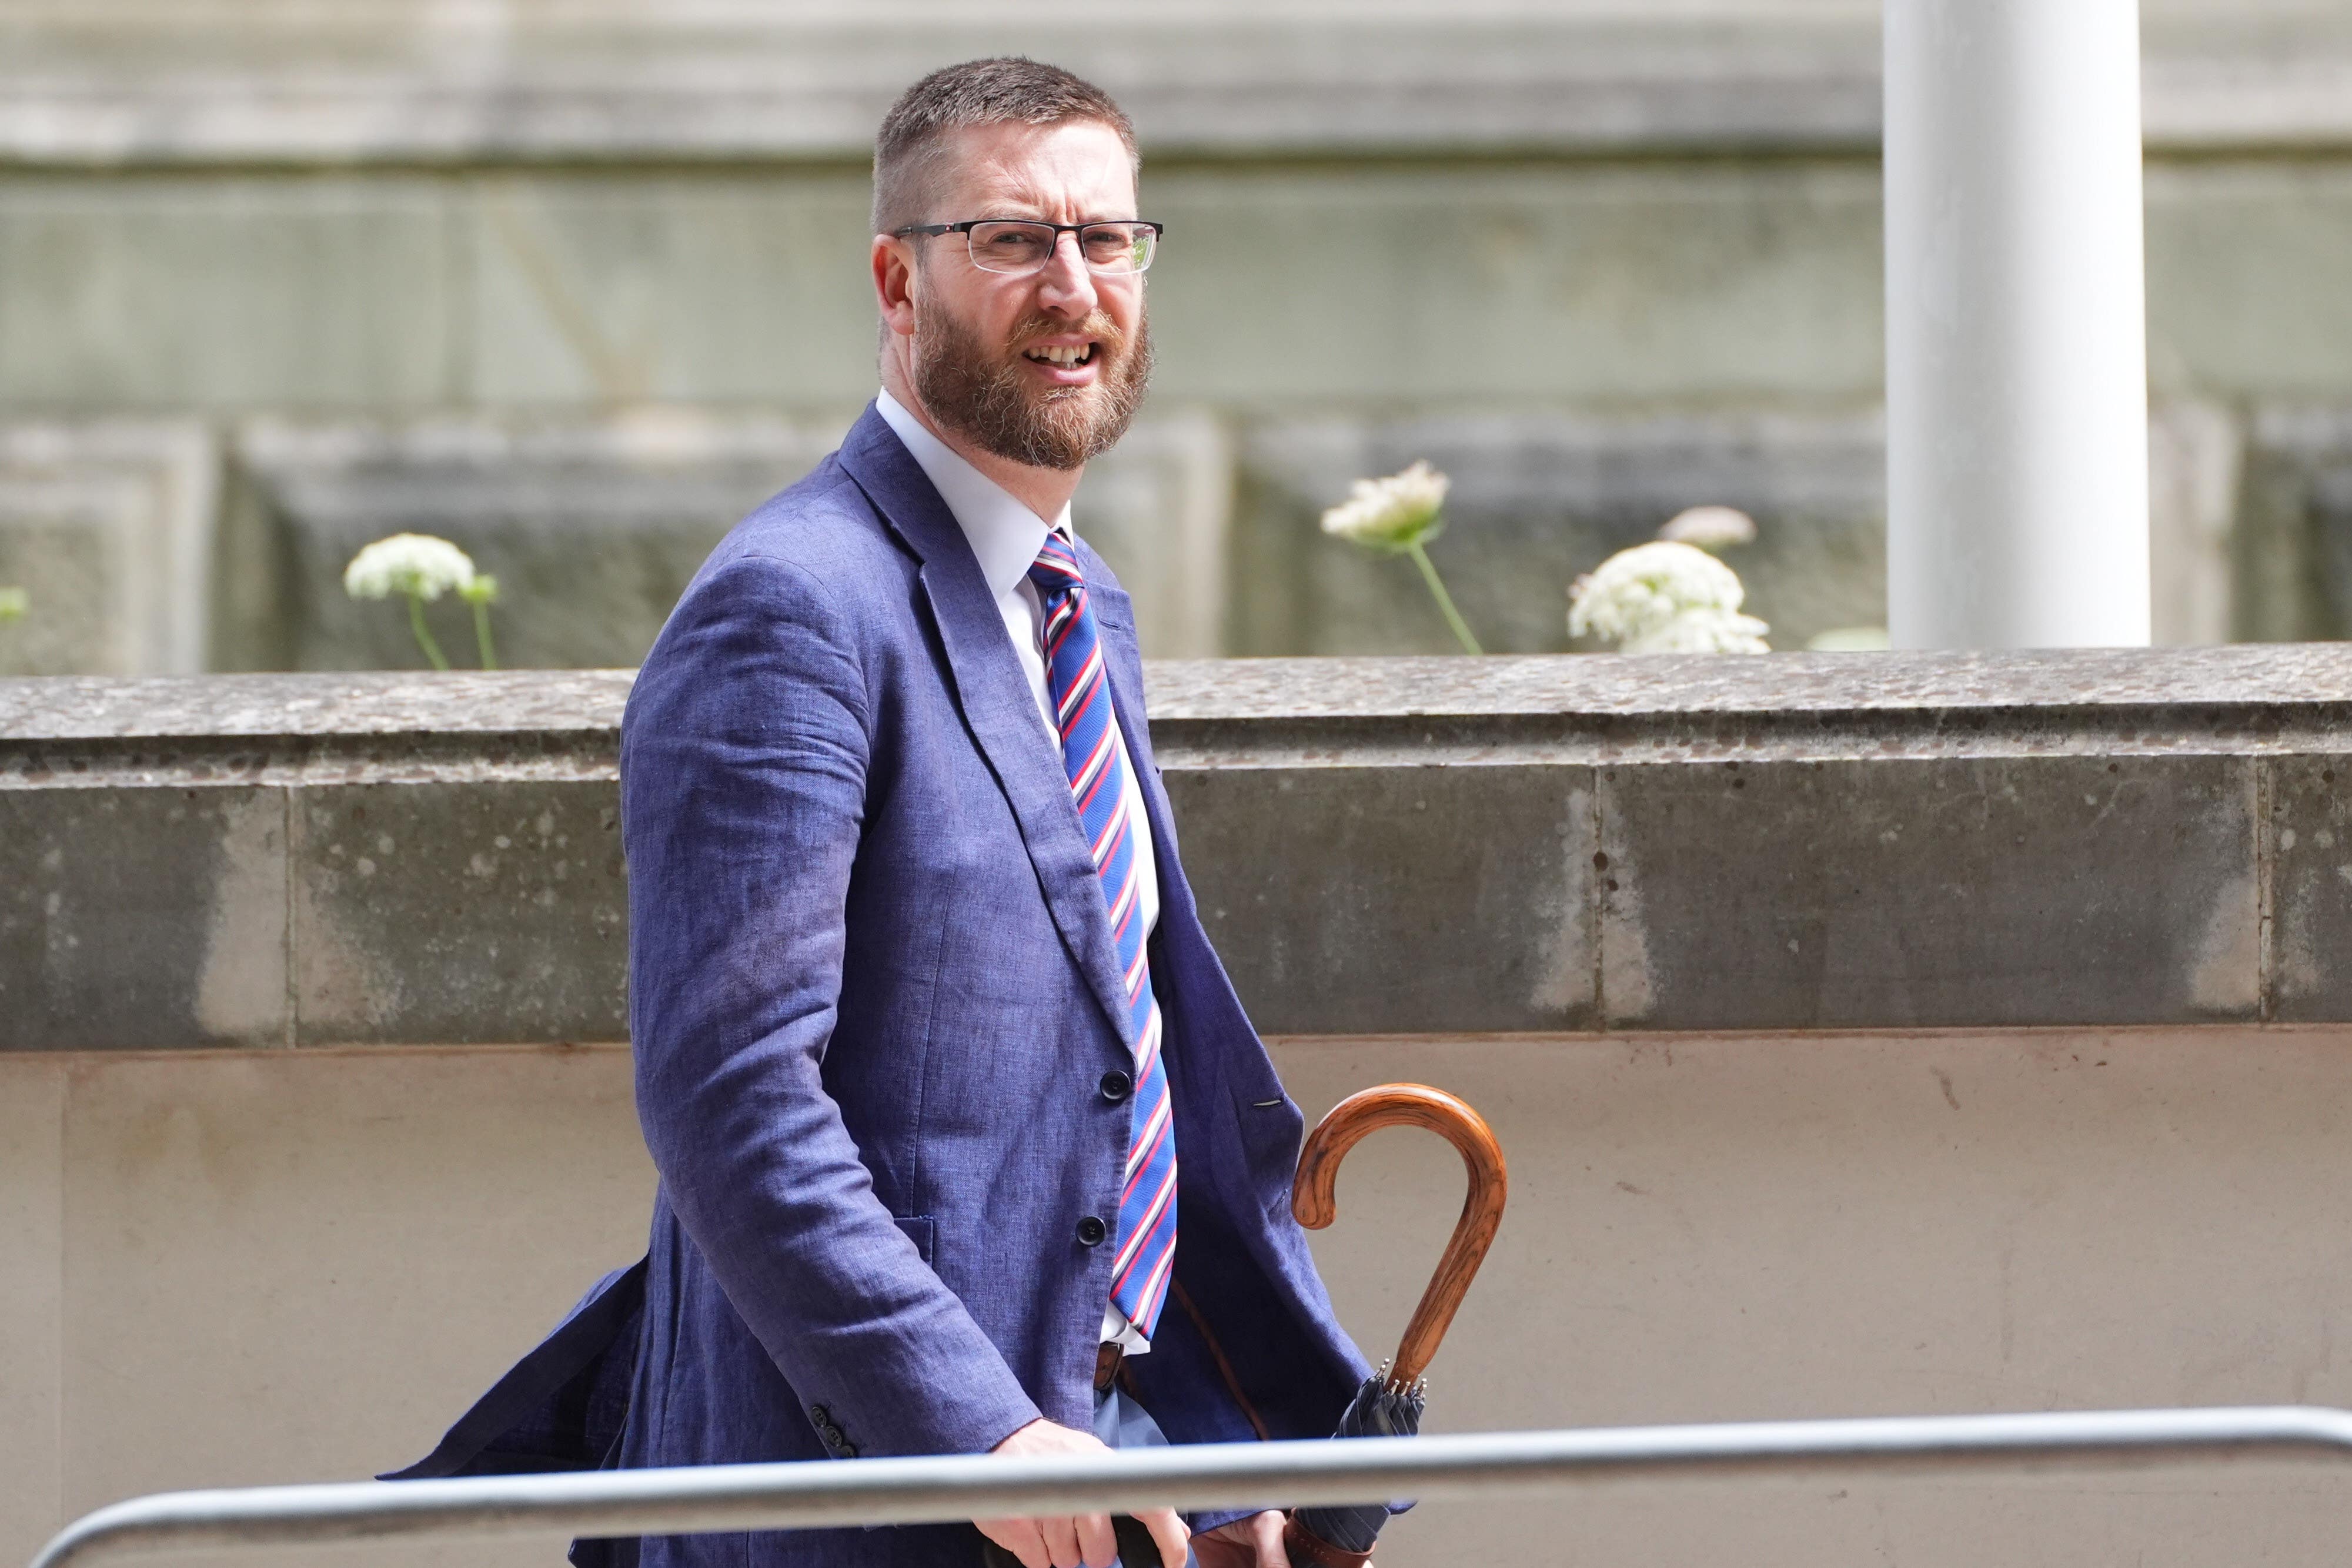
1148,1144
1087,678
1071,723
1133,1250
1124,910
1108,845
1054,648
1089,774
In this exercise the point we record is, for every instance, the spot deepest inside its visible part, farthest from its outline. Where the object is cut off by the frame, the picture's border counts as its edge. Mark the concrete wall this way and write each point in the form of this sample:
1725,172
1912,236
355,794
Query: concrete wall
1868,1034
249,1267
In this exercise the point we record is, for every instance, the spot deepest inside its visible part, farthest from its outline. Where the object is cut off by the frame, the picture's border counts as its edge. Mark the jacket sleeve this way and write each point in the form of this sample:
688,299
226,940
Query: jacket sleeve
743,761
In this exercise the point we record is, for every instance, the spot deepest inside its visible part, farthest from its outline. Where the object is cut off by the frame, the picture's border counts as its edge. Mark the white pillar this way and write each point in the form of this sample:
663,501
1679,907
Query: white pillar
2016,342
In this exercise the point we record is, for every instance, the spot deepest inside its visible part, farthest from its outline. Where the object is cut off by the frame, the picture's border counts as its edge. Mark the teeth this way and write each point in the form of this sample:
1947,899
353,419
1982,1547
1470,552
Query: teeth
1063,354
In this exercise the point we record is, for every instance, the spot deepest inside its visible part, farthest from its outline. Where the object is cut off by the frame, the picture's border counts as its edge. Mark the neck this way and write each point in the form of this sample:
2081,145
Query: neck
1044,491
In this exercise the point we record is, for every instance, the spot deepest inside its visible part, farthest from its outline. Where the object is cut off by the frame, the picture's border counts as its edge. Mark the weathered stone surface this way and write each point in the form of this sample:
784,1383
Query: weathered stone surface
275,720
2242,264
2196,454
93,83
1537,501
593,529
1517,289
141,918
1159,509
108,527
140,294
1396,900
1608,285
1380,845
2294,543
798,82
1890,892
625,289
2252,697
2310,896
489,912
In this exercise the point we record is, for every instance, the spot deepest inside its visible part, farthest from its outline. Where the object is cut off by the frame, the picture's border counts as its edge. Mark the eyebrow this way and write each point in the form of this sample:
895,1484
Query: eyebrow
999,205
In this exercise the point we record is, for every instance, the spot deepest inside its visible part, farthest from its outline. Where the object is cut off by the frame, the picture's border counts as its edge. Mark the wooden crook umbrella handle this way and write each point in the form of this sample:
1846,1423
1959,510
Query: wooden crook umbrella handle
1314,1201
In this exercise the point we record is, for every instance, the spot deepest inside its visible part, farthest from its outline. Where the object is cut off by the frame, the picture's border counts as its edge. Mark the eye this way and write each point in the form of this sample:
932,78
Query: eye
1109,242
1008,244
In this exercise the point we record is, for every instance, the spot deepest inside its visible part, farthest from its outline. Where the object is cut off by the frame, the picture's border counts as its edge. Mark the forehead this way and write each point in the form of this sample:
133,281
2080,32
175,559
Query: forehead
1073,171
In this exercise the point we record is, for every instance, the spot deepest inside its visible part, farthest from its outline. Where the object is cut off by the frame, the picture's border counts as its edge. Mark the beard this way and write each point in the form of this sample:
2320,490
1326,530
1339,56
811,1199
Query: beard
982,394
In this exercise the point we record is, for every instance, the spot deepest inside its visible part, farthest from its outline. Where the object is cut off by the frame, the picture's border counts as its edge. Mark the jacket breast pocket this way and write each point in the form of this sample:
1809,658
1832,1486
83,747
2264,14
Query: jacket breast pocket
918,1229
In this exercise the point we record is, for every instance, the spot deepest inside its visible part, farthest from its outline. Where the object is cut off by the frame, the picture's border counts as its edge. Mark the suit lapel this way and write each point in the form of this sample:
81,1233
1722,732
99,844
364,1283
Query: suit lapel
994,696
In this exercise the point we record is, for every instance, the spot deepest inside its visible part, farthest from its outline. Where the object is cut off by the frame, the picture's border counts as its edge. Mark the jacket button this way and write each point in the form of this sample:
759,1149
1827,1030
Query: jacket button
1116,1086
1091,1231
821,1416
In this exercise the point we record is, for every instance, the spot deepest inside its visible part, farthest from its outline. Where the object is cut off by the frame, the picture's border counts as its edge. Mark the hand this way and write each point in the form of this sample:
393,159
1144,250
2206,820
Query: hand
1252,1543
1067,1540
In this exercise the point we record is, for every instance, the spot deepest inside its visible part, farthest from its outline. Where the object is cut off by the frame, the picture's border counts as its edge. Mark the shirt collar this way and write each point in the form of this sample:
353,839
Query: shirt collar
1003,534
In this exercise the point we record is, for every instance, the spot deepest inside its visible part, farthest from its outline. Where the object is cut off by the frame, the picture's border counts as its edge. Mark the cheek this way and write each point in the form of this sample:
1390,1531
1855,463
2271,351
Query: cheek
984,314
1125,306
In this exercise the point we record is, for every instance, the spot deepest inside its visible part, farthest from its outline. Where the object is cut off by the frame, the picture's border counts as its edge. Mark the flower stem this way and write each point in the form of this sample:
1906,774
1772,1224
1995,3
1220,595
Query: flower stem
425,638
1444,599
482,636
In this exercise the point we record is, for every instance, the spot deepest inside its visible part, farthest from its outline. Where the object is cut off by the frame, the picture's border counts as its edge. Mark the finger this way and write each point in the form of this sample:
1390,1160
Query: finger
1169,1531
1062,1541
1097,1541
1020,1537
1271,1553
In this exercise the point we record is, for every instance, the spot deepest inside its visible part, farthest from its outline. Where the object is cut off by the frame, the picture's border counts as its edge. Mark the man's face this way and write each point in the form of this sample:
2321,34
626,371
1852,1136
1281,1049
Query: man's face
993,352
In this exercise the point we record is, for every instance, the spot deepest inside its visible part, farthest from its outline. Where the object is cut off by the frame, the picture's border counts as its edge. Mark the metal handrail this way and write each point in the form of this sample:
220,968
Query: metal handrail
691,1498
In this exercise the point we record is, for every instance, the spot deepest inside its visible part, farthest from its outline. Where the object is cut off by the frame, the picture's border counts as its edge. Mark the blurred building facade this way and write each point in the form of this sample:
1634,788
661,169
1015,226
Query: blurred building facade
576,285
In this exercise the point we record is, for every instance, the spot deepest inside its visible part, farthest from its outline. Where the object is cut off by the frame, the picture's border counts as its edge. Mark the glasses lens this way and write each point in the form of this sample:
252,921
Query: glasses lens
1010,246
1117,247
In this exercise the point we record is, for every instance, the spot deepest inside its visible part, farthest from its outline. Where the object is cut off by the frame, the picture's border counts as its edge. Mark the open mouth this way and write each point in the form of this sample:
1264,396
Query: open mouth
1061,356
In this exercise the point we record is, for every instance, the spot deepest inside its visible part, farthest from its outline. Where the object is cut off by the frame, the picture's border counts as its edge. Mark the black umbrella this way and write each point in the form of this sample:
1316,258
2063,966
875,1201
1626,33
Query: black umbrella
1390,1402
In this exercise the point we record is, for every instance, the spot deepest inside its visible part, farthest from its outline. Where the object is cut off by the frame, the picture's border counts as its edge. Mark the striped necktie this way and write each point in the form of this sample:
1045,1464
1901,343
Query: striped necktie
1095,757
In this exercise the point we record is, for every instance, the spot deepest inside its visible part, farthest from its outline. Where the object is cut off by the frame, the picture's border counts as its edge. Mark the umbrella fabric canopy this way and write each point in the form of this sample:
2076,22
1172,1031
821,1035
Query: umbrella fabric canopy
1381,1410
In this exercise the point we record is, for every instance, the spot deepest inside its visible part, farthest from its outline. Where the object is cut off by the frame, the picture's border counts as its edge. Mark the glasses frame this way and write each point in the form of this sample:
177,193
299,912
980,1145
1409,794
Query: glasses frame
965,228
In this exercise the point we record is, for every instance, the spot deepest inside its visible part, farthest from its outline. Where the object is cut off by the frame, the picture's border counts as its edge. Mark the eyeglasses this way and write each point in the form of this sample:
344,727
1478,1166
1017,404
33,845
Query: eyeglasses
1019,246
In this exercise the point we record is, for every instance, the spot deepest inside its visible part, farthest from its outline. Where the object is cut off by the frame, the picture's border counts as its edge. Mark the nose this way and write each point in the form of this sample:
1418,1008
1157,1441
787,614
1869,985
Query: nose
1064,284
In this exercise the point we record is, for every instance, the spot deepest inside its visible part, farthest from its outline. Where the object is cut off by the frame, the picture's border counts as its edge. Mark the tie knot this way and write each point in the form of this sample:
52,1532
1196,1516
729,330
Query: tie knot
1056,570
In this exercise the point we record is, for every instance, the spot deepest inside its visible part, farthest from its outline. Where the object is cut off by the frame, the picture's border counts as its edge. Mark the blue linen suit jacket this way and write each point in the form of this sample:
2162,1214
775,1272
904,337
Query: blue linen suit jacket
872,996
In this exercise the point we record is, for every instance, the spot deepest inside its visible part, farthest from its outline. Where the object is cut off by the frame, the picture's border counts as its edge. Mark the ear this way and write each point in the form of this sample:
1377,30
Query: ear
894,283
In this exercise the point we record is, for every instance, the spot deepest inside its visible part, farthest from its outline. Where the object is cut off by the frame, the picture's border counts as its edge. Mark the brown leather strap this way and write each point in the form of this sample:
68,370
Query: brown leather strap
1107,1360
1309,1550
1183,1298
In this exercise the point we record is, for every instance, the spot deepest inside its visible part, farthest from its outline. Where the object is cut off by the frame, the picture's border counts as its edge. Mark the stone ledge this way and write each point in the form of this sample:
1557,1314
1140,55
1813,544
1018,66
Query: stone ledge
95,84
1436,846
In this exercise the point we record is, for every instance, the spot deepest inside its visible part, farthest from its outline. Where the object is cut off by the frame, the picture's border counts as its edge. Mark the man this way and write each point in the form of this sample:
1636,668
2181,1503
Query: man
965,1143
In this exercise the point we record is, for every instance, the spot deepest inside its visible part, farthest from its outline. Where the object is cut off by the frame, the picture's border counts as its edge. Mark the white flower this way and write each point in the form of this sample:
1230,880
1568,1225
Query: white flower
1710,527
1702,632
1665,598
1392,514
415,564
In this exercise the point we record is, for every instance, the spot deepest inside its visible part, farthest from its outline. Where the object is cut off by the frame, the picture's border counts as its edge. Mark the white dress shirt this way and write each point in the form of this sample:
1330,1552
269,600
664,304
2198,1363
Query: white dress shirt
1005,535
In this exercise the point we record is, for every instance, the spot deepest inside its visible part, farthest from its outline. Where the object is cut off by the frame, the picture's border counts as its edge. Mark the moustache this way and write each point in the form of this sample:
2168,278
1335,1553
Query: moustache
1098,326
